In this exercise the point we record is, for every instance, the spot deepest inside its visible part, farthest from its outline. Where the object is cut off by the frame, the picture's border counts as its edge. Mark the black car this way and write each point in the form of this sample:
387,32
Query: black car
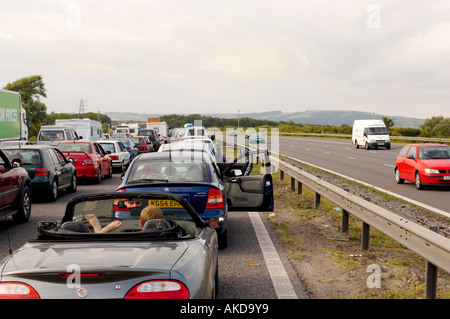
49,170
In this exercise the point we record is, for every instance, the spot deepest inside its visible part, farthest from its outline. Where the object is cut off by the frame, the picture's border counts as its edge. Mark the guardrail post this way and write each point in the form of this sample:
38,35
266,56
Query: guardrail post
431,277
365,236
292,184
299,187
317,201
281,175
345,215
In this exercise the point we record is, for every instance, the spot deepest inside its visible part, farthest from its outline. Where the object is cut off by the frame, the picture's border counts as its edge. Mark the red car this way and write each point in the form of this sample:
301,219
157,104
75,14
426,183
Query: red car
15,189
142,143
90,159
423,164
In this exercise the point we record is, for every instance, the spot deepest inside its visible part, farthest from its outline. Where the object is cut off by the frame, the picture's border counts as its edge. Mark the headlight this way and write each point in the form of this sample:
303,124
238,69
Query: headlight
431,171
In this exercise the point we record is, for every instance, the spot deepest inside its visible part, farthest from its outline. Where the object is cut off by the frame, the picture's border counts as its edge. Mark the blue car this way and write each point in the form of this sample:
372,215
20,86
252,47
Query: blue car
211,189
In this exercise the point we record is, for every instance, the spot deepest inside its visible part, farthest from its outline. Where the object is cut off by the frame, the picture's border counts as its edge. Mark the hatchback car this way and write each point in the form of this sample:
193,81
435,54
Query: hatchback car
142,144
423,164
89,159
211,190
257,138
119,155
49,170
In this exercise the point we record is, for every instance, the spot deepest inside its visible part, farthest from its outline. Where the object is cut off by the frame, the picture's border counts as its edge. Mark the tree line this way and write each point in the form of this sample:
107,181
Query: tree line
32,89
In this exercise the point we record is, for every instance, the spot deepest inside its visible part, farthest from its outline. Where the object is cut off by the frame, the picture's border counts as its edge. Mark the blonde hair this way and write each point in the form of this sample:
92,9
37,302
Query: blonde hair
150,212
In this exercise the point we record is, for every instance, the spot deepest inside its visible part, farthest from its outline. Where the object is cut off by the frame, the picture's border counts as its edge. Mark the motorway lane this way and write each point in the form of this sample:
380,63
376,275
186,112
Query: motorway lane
375,167
242,267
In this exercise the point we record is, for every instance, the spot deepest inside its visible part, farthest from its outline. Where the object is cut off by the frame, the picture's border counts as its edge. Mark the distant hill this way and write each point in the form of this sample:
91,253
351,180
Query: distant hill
305,117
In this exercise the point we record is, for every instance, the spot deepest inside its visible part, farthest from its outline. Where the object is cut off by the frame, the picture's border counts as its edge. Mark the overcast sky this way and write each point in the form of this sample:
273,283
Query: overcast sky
204,56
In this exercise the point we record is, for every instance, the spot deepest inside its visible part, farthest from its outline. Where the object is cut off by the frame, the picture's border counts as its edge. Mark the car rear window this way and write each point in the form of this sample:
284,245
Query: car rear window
152,171
29,157
76,147
108,147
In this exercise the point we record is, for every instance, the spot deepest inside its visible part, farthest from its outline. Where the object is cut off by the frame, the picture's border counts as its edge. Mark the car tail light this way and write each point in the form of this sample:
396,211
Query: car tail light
41,171
17,290
114,157
121,191
215,199
159,289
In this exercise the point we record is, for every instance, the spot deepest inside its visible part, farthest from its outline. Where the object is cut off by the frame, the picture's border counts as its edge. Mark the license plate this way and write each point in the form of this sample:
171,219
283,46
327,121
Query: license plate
165,203
447,178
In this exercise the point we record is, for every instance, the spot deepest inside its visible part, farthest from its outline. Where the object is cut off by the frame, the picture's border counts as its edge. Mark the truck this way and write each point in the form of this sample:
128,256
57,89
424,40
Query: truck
370,134
86,128
13,118
160,128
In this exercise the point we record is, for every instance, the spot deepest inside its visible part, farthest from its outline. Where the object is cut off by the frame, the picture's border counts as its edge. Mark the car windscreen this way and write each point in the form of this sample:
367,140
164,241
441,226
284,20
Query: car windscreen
434,152
376,131
29,157
169,170
75,147
51,135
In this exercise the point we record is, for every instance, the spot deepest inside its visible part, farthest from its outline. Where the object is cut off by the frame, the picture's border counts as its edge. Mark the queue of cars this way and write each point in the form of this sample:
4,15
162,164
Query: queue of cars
187,188
172,254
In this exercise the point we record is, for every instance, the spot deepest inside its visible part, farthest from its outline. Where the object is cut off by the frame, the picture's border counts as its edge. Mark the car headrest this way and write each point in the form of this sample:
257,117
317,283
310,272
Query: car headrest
75,226
157,224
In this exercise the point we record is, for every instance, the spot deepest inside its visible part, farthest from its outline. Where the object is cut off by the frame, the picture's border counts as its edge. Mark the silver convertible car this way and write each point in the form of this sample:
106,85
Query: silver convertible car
130,245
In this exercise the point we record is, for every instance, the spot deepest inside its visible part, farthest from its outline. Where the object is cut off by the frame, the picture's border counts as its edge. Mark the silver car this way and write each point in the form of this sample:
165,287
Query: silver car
102,248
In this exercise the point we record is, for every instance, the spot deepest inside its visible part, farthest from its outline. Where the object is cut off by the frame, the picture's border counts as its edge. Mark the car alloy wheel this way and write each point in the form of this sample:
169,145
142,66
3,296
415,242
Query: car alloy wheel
397,177
23,207
53,195
418,181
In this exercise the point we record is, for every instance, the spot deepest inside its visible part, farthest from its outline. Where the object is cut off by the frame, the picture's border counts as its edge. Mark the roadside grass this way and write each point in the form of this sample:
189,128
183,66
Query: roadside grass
402,270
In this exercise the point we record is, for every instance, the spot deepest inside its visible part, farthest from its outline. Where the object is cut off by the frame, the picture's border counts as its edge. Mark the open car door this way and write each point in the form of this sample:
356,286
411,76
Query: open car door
247,192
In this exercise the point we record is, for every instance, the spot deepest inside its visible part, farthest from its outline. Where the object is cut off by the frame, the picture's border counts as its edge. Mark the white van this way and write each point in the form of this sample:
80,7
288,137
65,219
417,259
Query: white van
52,134
87,129
370,134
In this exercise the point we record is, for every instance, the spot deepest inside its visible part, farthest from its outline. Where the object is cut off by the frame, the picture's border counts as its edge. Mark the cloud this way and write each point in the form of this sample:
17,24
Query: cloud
198,56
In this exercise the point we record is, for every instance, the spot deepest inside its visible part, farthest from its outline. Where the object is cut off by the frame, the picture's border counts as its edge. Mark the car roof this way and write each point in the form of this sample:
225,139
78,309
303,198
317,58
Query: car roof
29,147
427,144
169,155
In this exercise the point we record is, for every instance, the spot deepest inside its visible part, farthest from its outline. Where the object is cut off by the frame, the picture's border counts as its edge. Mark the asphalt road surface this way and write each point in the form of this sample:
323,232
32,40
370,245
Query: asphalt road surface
247,269
375,166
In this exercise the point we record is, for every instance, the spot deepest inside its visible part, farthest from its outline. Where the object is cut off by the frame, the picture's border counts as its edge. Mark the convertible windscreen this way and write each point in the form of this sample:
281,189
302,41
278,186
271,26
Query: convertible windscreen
123,215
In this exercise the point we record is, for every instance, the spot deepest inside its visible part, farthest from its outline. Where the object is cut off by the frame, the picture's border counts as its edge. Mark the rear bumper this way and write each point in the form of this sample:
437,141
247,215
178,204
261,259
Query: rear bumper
87,171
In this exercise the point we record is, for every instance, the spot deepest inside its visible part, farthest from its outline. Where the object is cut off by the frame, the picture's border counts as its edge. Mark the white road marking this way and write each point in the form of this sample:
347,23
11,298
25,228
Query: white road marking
279,276
389,165
352,158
